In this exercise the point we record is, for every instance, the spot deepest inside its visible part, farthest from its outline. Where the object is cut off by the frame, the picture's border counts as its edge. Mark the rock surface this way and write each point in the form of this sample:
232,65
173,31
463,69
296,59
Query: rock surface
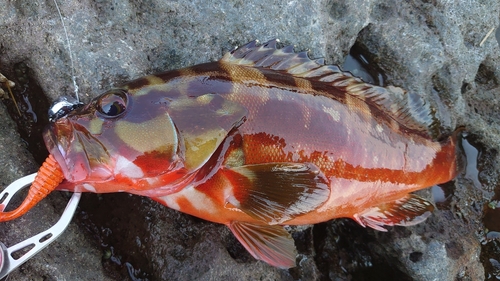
433,48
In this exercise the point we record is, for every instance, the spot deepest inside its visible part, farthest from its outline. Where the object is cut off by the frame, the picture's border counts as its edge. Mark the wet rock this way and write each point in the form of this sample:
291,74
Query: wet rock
431,48
155,243
434,48
444,248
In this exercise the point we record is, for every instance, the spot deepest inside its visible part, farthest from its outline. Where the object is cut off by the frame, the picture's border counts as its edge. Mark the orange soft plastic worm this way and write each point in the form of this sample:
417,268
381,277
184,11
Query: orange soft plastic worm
48,178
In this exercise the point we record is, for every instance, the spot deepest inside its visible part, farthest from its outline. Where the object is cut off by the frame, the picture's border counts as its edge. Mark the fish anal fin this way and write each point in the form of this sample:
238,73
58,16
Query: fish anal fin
269,243
409,210
277,192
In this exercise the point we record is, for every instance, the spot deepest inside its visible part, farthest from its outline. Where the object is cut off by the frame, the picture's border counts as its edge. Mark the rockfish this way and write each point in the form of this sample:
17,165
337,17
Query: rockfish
262,138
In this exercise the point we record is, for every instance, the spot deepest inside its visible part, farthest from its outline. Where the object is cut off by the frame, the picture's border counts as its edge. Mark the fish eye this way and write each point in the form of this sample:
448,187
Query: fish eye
112,104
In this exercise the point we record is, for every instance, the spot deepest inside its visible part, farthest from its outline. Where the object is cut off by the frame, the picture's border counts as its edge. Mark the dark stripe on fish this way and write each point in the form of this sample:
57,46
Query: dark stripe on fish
137,83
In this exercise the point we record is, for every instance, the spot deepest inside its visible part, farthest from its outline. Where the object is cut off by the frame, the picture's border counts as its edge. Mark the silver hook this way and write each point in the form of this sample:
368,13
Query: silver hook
36,243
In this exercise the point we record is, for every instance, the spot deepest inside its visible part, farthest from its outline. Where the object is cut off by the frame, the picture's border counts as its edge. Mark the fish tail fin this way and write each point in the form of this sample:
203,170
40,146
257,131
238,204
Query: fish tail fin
452,147
48,178
456,139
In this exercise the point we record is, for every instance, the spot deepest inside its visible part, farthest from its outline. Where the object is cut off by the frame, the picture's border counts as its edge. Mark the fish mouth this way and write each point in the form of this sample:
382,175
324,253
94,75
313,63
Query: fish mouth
82,157
70,149
53,142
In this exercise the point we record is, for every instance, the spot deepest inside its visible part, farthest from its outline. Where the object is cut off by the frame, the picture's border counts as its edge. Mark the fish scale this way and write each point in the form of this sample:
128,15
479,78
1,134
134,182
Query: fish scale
263,138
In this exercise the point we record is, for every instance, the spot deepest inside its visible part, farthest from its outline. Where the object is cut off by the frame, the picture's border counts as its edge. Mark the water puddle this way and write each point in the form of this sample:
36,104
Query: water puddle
479,170
471,169
357,64
442,195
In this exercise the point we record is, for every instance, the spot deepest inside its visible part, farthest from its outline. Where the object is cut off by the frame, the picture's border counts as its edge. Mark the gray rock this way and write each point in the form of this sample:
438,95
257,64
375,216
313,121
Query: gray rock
429,47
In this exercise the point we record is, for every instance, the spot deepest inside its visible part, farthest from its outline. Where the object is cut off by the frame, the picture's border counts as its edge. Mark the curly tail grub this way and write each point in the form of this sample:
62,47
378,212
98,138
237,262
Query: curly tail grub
48,178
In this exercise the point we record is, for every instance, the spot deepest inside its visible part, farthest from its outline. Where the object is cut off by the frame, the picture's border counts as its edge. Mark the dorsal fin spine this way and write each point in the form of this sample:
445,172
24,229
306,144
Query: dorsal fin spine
288,49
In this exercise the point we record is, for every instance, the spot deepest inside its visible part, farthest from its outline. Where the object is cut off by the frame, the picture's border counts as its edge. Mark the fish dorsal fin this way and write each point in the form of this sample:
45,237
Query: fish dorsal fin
409,210
404,111
277,192
268,56
269,243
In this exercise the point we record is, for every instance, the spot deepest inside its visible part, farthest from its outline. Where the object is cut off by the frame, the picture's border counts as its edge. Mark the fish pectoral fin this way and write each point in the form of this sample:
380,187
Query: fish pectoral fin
269,243
409,210
277,192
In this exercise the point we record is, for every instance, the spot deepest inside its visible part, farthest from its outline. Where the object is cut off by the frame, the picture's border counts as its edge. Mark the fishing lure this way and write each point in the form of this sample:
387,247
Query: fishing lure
262,138
49,176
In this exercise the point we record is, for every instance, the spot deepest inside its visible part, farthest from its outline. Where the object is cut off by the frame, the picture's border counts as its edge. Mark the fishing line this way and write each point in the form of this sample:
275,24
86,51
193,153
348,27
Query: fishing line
70,53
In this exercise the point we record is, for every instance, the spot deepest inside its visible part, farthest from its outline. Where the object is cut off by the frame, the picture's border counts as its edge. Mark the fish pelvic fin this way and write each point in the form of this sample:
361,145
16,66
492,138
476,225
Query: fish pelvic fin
408,210
405,111
269,243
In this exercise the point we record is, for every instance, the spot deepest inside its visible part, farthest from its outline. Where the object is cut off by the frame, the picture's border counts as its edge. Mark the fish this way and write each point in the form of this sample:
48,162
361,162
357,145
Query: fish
261,139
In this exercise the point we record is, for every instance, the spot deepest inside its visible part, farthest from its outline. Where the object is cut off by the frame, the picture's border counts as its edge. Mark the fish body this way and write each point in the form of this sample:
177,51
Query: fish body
264,137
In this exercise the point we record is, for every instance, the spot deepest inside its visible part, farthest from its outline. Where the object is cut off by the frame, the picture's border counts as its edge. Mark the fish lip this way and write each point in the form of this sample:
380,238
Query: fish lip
56,150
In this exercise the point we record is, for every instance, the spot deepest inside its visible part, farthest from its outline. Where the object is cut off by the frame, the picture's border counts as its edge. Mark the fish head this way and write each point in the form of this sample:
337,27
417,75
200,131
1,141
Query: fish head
154,136
117,134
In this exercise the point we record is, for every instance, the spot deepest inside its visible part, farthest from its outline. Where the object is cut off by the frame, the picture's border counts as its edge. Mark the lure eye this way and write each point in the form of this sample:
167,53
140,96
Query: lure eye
112,104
